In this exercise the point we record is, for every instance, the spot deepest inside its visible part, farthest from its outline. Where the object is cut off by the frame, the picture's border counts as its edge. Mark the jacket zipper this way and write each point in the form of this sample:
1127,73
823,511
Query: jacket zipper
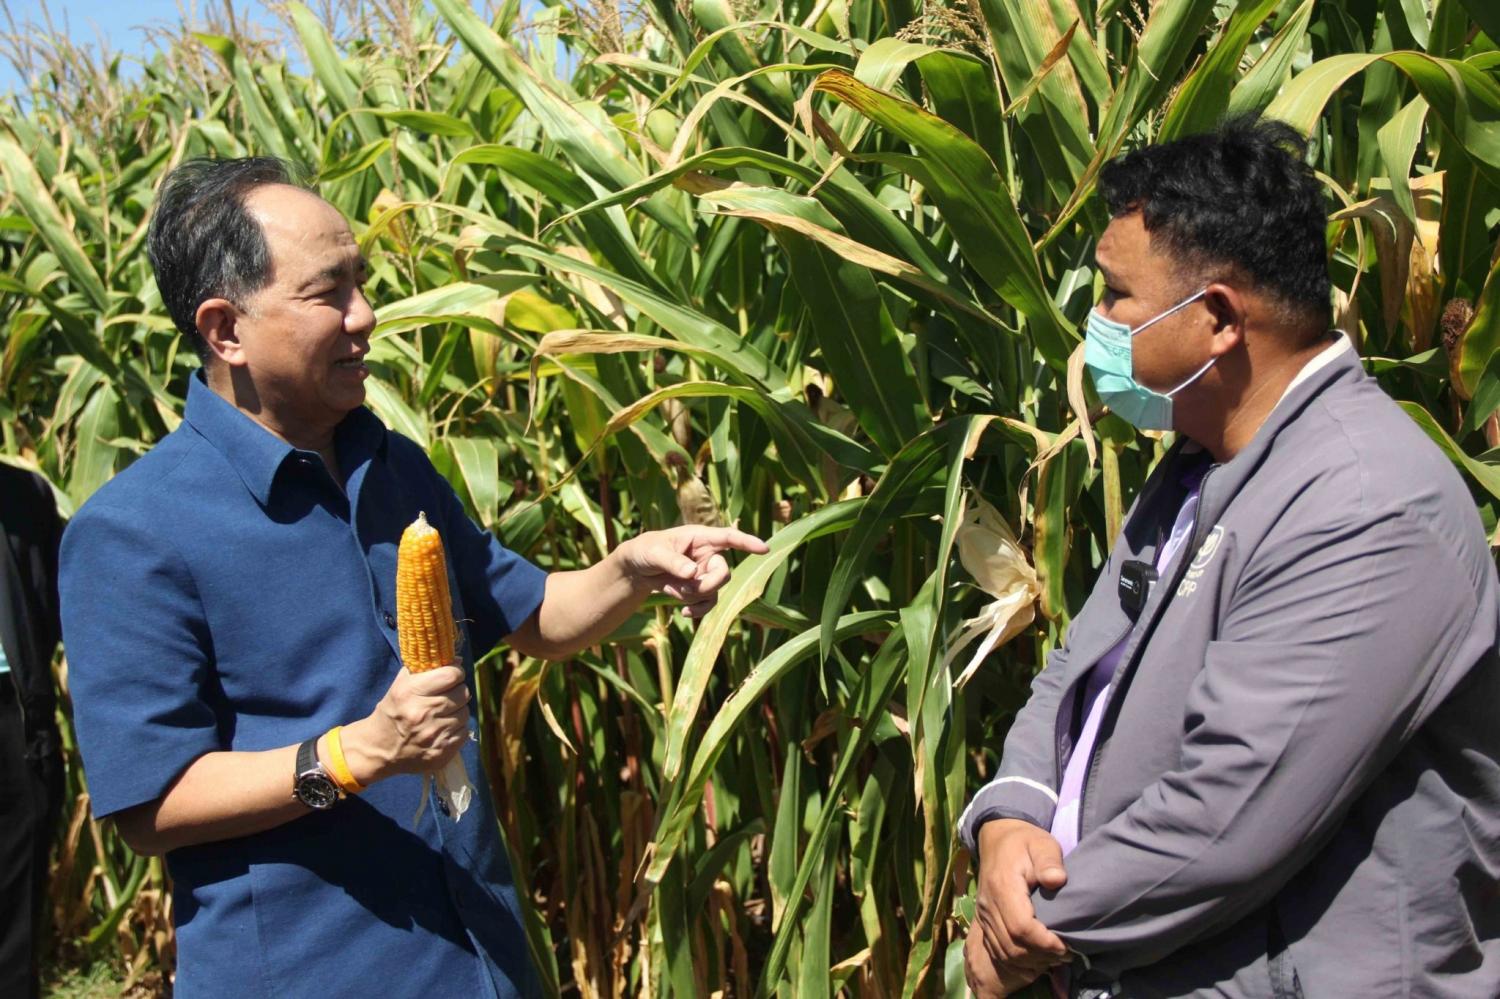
1121,671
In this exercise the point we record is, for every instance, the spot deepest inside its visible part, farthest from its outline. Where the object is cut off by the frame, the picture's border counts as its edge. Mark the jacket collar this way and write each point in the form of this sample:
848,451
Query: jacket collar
1321,360
1162,493
1223,482
256,454
1337,363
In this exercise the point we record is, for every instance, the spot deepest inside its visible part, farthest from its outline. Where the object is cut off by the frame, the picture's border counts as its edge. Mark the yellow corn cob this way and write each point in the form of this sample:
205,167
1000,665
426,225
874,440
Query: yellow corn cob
428,634
424,608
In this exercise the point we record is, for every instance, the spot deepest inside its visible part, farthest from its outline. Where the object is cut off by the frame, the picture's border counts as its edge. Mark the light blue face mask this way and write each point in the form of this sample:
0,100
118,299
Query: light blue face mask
1107,355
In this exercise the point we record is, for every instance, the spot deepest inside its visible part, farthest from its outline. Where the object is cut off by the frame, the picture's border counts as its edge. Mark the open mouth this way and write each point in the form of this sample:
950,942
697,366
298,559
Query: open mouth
351,364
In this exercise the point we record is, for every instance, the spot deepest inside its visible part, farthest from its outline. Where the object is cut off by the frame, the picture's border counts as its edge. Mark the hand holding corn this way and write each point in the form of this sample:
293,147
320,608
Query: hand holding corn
428,637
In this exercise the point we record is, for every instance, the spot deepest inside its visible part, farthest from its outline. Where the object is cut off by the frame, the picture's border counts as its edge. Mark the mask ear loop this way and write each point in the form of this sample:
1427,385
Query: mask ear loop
1174,309
1192,378
1178,308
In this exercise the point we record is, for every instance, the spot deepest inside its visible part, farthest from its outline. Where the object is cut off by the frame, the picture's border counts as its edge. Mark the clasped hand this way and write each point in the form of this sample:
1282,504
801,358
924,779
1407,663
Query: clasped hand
1008,947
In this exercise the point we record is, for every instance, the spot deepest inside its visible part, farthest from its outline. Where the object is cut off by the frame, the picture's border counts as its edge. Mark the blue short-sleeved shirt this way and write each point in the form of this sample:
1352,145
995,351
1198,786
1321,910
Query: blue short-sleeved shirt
224,593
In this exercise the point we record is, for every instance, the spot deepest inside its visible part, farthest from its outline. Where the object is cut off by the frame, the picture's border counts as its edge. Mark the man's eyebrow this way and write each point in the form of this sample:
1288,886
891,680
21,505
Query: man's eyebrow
335,271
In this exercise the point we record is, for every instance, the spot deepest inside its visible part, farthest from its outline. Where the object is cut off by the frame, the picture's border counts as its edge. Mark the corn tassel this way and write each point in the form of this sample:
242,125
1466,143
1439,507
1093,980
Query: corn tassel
428,636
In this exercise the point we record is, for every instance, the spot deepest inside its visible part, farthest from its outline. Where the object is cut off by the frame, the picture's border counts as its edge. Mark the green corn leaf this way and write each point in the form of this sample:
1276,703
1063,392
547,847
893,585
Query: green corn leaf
800,441
729,351
1466,98
356,162
963,182
762,204
1486,15
962,91
1057,488
813,979
453,300
720,16
701,52
865,218
687,793
296,129
325,63
749,581
593,145
30,191
1205,96
1162,49
478,461
861,345
1488,476
876,687
94,463
1398,139
1481,341
1023,36
611,233
914,470
1258,87
426,122
1486,398
394,411
551,178
264,123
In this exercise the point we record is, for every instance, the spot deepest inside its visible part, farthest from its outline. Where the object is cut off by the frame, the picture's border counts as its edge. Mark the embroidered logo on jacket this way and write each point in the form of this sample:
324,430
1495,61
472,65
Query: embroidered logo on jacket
1206,552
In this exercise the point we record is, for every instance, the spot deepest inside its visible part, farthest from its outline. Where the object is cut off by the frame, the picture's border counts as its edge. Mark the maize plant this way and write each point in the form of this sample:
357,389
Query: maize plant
814,267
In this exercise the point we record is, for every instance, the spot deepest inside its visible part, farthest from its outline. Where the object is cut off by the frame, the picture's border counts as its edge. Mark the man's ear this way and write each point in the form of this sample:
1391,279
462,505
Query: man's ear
1228,307
217,319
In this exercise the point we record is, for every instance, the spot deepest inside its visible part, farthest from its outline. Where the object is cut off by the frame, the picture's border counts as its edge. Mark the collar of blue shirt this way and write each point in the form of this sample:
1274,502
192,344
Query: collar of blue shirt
256,454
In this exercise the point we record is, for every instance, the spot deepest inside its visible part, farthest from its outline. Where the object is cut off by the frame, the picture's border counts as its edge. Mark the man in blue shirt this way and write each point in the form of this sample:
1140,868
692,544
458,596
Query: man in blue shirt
229,605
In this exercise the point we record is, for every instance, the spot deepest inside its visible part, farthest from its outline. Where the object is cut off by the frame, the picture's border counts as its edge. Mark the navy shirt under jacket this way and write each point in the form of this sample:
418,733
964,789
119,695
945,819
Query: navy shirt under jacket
223,593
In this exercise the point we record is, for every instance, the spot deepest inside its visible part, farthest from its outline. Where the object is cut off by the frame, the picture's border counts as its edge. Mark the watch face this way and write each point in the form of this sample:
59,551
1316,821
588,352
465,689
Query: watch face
316,791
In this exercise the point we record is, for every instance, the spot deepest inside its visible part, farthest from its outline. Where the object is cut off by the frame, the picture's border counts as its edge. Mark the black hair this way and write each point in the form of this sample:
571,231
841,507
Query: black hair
1241,196
203,242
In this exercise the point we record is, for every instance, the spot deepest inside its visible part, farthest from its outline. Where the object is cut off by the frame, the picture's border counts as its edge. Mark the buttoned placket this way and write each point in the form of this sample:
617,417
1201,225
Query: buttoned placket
358,466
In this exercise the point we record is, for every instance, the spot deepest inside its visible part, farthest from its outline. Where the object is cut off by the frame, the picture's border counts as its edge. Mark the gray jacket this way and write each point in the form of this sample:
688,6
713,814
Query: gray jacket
1296,787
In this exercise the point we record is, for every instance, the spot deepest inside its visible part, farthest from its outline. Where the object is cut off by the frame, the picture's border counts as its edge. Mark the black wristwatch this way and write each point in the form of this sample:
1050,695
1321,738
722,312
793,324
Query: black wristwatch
312,785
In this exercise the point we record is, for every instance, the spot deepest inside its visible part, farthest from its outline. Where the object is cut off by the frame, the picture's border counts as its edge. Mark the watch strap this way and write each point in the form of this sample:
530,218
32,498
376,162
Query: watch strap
312,784
307,756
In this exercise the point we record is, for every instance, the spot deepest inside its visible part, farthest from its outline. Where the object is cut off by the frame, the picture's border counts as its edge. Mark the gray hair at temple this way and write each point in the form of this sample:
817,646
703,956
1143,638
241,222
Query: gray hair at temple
203,242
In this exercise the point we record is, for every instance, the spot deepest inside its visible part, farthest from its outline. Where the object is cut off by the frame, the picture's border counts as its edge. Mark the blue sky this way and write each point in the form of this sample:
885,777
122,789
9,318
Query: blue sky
119,22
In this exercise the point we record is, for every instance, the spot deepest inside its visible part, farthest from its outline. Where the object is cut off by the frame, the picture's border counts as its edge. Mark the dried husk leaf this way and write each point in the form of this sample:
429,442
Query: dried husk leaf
989,551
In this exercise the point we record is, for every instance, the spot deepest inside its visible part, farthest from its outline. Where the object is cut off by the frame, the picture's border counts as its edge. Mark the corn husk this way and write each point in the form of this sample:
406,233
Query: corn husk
454,789
989,551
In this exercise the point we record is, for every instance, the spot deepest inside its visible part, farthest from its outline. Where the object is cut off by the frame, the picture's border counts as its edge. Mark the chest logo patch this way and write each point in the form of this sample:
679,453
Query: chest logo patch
1199,565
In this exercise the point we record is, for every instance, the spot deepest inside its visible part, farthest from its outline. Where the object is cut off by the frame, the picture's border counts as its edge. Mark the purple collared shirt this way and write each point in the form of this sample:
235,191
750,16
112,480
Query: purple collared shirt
1101,681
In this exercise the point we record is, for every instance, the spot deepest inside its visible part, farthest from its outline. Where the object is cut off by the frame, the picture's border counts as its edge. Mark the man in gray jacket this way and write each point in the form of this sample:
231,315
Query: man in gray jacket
1266,762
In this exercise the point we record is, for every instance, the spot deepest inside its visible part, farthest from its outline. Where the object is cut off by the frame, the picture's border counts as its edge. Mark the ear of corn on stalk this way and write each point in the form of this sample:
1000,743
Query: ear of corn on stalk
428,636
989,550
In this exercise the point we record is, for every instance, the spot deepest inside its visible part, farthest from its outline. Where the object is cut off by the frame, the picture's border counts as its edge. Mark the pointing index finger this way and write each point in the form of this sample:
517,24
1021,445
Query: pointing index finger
728,537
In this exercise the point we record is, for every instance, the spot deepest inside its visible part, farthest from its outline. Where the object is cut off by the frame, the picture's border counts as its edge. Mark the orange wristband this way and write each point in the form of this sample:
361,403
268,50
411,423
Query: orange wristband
339,765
